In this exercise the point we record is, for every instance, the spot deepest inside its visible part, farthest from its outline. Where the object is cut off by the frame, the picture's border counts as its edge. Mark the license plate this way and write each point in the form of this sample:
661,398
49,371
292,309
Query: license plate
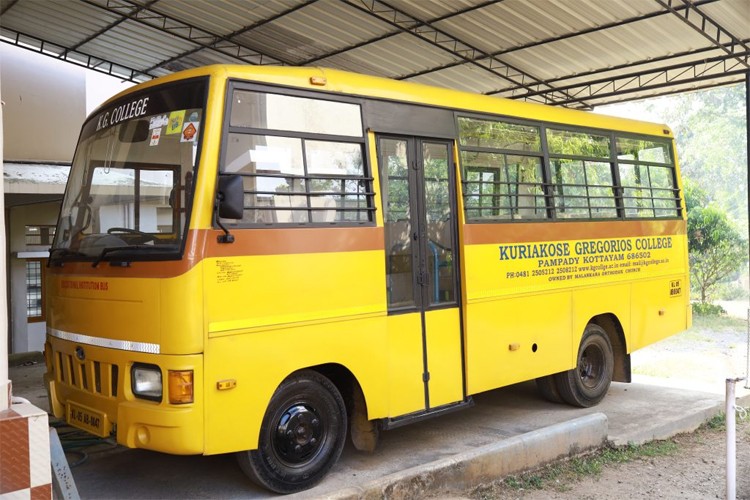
87,419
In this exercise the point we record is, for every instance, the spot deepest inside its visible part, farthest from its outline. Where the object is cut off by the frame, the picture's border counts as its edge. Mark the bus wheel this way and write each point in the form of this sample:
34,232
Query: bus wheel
547,387
588,382
301,437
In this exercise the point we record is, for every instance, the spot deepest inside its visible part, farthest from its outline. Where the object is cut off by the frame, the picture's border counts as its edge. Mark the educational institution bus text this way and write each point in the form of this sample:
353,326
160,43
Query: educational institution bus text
267,261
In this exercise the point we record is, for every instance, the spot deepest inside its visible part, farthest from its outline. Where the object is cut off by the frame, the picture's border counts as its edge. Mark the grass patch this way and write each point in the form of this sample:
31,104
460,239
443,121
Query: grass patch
717,423
560,475
719,323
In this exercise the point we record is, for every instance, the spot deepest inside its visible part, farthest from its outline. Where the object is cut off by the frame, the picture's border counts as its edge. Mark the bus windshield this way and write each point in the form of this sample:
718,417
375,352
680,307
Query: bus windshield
129,191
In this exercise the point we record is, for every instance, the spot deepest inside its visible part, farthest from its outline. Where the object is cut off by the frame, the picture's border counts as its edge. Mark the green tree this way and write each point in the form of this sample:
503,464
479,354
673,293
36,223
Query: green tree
717,250
709,128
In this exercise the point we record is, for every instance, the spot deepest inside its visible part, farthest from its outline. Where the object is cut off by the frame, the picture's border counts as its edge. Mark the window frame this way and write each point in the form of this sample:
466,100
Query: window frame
42,262
549,186
368,192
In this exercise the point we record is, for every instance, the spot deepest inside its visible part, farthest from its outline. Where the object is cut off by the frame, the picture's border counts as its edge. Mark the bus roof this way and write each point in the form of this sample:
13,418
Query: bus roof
344,82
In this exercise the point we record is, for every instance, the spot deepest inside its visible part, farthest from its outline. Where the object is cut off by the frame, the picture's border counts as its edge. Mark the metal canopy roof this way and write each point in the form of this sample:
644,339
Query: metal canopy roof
576,53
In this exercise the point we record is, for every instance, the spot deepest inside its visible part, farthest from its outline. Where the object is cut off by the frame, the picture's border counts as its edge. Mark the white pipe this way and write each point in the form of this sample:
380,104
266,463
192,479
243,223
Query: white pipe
731,440
4,381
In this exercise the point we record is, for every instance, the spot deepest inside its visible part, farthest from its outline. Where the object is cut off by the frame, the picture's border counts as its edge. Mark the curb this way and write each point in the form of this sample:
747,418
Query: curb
488,462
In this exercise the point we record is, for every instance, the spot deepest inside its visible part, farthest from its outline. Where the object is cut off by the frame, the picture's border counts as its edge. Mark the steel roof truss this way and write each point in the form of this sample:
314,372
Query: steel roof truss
73,56
566,36
694,71
187,32
439,38
709,28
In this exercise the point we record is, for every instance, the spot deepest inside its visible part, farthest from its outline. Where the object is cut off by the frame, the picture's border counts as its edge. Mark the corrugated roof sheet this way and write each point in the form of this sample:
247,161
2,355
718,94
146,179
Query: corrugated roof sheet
578,53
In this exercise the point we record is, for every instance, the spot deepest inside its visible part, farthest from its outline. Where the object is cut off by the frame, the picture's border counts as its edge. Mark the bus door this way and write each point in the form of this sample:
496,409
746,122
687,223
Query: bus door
419,213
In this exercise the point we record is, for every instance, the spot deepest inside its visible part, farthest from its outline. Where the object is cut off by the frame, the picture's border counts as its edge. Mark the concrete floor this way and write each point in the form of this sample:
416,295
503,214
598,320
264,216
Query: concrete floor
635,412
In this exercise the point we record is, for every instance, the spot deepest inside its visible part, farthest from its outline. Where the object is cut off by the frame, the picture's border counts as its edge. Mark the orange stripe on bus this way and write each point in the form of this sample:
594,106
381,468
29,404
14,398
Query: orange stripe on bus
203,243
479,234
281,241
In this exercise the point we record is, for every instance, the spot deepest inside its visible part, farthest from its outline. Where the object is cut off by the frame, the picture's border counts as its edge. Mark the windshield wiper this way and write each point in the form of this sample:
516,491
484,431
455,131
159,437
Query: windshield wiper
64,252
156,249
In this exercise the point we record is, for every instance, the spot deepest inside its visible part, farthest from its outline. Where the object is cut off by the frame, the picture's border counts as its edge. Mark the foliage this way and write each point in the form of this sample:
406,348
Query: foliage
717,249
718,422
706,309
709,128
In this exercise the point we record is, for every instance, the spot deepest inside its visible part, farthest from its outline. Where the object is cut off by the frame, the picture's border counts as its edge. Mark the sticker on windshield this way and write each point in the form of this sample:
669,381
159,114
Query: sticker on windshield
155,136
158,121
189,131
175,122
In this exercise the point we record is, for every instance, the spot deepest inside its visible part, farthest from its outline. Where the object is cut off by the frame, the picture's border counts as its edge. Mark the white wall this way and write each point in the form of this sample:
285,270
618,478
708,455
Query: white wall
25,336
46,102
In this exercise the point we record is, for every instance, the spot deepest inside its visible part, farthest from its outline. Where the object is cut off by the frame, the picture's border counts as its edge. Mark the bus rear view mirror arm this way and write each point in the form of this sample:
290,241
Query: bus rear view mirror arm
230,201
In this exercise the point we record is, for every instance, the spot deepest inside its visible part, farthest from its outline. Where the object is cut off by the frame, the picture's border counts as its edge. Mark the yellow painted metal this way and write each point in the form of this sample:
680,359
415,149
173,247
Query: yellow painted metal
443,334
278,313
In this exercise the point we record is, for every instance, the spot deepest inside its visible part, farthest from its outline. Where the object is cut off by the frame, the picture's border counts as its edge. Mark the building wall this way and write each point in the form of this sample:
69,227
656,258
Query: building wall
45,105
25,336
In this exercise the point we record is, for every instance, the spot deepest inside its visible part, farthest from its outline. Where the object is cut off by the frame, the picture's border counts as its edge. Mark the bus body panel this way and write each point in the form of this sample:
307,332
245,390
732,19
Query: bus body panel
512,339
102,382
259,360
444,364
405,366
245,315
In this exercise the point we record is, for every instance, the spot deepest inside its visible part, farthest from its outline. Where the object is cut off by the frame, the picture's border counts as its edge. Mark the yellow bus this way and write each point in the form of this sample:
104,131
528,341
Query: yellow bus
265,260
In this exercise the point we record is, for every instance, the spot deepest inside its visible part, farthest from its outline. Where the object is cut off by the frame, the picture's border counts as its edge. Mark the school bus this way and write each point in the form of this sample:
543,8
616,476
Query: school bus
263,260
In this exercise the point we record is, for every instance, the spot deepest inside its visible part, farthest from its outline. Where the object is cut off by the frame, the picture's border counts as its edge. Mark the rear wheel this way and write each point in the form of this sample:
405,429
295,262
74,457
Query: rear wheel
589,381
547,387
301,437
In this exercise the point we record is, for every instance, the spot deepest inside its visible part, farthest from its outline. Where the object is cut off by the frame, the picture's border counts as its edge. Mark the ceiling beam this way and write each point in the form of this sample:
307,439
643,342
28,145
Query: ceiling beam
398,32
554,39
233,34
685,73
76,57
736,78
448,43
187,32
709,28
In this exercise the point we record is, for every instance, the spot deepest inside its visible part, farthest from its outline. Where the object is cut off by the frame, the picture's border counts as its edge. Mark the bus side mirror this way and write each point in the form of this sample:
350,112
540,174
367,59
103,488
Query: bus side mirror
231,197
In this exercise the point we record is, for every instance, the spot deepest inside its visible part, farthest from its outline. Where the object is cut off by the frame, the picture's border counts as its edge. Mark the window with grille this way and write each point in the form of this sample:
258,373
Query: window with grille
40,235
34,290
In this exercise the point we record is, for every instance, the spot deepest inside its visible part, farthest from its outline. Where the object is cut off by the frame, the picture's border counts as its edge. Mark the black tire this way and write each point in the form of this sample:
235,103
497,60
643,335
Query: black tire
589,381
547,388
301,437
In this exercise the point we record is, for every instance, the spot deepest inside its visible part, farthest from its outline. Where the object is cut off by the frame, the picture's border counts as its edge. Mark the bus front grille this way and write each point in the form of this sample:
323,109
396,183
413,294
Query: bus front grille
91,376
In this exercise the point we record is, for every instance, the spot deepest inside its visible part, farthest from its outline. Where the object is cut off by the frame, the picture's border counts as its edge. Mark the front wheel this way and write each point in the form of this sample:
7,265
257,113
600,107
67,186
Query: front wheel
588,383
301,437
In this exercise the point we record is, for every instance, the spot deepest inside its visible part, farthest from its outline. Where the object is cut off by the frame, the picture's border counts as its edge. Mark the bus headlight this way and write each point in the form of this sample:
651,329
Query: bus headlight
146,381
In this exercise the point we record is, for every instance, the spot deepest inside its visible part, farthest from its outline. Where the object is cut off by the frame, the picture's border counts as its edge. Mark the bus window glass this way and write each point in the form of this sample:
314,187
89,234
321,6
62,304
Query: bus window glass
647,176
398,229
643,150
295,114
500,186
636,190
273,176
304,179
582,189
130,184
569,143
338,167
441,285
498,135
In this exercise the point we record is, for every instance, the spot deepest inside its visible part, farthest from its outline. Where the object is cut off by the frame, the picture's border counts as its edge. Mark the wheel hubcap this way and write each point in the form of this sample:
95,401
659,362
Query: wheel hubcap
591,366
299,434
